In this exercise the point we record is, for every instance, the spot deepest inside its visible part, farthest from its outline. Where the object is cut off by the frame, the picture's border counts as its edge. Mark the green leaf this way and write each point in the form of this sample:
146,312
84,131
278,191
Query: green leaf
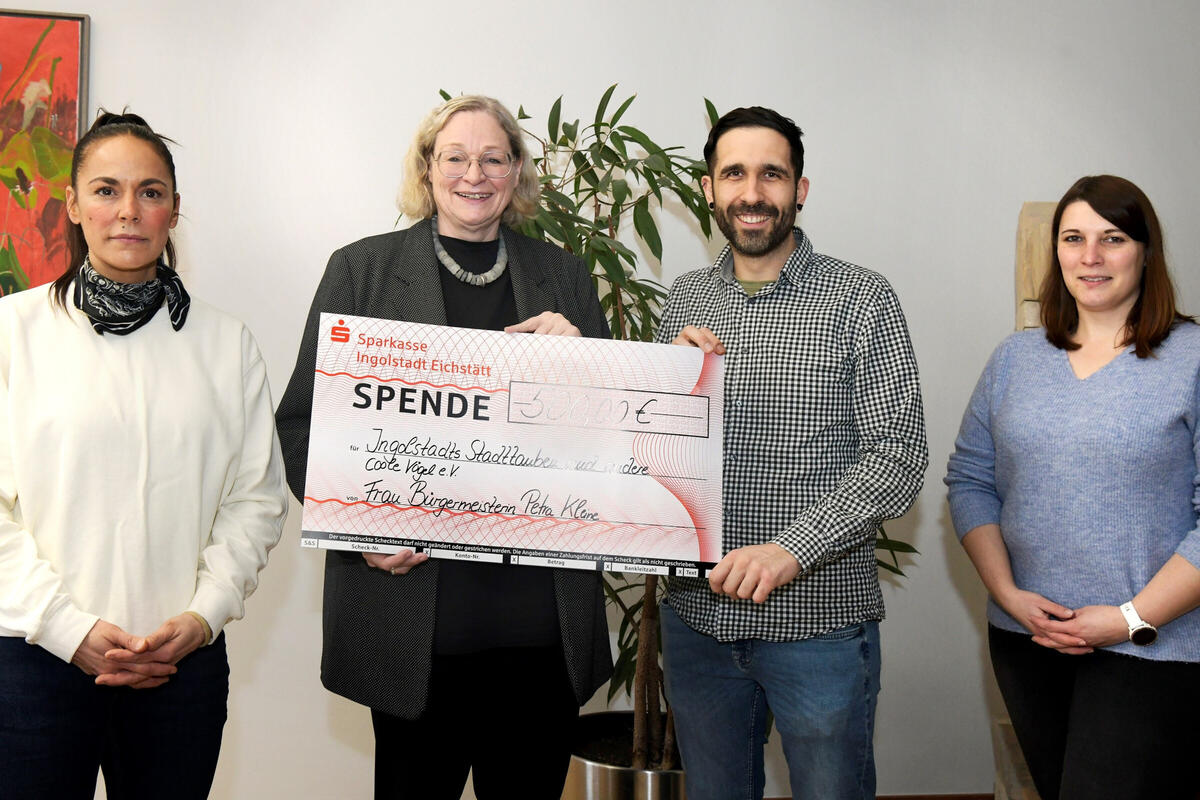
704,216
604,186
652,182
445,95
600,109
559,199
697,205
645,141
890,568
552,120
571,130
596,154
643,222
894,546
713,116
648,315
624,670
613,270
611,156
551,226
617,142
656,162
616,247
521,115
620,191
621,109
614,597
584,169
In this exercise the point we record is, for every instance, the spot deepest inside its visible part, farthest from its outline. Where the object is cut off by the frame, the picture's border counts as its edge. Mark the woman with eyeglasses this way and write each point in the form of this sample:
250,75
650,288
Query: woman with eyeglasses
1075,488
463,665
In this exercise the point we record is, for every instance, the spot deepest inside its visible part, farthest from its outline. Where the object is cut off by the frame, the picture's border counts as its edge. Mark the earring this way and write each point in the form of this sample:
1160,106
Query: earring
712,206
799,206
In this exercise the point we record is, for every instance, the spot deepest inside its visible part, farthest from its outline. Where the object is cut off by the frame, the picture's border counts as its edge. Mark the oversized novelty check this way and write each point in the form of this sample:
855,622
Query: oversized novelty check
514,448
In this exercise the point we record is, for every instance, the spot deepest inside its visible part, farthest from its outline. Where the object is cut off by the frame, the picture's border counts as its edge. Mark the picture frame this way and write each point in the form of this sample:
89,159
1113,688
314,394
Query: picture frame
43,112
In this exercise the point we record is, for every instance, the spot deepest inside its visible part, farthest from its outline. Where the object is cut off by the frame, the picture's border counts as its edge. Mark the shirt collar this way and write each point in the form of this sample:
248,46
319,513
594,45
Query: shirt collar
793,269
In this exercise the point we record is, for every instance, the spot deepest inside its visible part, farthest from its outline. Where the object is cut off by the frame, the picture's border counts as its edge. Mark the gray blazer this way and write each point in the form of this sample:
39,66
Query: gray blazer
378,629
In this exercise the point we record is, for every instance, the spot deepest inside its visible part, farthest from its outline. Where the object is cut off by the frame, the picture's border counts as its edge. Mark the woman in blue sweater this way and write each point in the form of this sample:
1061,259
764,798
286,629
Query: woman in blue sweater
1075,489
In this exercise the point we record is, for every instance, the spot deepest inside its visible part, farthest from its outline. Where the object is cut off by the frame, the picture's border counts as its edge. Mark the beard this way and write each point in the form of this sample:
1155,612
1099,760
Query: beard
756,243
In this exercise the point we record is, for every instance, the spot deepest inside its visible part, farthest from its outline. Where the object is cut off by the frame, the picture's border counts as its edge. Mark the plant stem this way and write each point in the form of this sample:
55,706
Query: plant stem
668,751
645,699
618,310
653,690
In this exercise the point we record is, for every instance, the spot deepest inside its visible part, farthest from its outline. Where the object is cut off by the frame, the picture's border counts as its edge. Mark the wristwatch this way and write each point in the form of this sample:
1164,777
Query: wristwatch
1140,632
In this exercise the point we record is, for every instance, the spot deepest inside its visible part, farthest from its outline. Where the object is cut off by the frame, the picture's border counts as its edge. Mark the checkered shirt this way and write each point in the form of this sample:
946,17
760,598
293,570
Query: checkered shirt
824,436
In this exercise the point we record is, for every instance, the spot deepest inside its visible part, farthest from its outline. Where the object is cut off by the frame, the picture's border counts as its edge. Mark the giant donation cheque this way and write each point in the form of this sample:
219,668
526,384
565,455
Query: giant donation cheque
514,448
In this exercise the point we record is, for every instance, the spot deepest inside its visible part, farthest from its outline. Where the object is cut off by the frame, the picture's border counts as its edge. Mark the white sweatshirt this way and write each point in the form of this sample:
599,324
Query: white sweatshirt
140,475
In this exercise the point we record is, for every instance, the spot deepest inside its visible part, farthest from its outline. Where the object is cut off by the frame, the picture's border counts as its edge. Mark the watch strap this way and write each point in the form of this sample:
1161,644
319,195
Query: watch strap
1132,618
1141,632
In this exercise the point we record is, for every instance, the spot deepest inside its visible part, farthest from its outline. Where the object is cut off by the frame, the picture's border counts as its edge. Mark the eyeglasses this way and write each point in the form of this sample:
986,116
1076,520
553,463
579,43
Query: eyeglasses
493,163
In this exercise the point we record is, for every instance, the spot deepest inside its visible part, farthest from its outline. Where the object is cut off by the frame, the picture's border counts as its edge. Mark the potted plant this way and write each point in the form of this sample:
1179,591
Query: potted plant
597,177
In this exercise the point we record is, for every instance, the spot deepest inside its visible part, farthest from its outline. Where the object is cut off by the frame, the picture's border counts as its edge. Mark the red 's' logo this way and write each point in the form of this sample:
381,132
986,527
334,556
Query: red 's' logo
340,332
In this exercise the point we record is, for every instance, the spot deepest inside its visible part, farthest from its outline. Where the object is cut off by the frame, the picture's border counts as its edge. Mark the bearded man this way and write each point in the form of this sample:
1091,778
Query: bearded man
824,440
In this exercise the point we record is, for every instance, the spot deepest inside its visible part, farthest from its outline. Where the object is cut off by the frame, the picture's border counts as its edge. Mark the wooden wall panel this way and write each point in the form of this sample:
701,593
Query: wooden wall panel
1033,259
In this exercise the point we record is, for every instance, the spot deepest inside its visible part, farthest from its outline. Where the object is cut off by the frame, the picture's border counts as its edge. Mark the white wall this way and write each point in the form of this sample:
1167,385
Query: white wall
928,124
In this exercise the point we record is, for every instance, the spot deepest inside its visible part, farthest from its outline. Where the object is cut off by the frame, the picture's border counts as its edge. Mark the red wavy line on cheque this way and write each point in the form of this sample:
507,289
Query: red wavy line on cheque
514,517
412,383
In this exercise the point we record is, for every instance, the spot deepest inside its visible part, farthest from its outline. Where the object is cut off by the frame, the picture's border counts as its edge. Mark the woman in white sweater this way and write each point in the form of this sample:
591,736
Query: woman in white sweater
141,488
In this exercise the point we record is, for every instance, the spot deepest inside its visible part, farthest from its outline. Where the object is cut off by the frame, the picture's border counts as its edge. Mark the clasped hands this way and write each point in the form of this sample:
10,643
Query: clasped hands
118,658
1073,631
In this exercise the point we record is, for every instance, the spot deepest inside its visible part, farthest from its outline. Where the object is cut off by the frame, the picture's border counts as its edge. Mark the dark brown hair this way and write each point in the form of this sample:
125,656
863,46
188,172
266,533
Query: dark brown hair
107,126
757,117
1154,313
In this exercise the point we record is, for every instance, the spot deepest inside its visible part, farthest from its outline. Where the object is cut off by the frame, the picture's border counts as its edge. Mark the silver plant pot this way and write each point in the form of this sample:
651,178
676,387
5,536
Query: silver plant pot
588,779
591,780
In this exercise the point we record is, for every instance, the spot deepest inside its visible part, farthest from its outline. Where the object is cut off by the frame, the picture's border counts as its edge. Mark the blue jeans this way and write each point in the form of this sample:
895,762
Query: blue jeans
822,691
57,727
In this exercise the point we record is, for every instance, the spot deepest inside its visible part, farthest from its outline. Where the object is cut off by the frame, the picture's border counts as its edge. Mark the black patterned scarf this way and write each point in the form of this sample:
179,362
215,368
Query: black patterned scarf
121,308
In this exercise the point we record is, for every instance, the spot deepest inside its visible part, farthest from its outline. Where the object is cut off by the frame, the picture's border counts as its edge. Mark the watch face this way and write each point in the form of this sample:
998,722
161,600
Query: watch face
1143,636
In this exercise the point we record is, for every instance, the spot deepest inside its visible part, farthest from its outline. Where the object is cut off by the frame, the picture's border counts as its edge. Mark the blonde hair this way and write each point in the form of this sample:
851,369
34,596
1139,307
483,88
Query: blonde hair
416,194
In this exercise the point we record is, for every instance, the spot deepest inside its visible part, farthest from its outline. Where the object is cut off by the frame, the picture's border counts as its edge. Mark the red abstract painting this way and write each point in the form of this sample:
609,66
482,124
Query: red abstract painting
43,98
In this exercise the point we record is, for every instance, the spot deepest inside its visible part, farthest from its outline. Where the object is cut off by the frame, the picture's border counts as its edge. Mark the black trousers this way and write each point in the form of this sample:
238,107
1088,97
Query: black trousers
1102,726
507,713
57,728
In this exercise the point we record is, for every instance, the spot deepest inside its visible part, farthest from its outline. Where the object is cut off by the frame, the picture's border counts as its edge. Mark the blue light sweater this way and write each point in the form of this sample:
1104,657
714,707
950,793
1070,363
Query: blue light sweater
1094,483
